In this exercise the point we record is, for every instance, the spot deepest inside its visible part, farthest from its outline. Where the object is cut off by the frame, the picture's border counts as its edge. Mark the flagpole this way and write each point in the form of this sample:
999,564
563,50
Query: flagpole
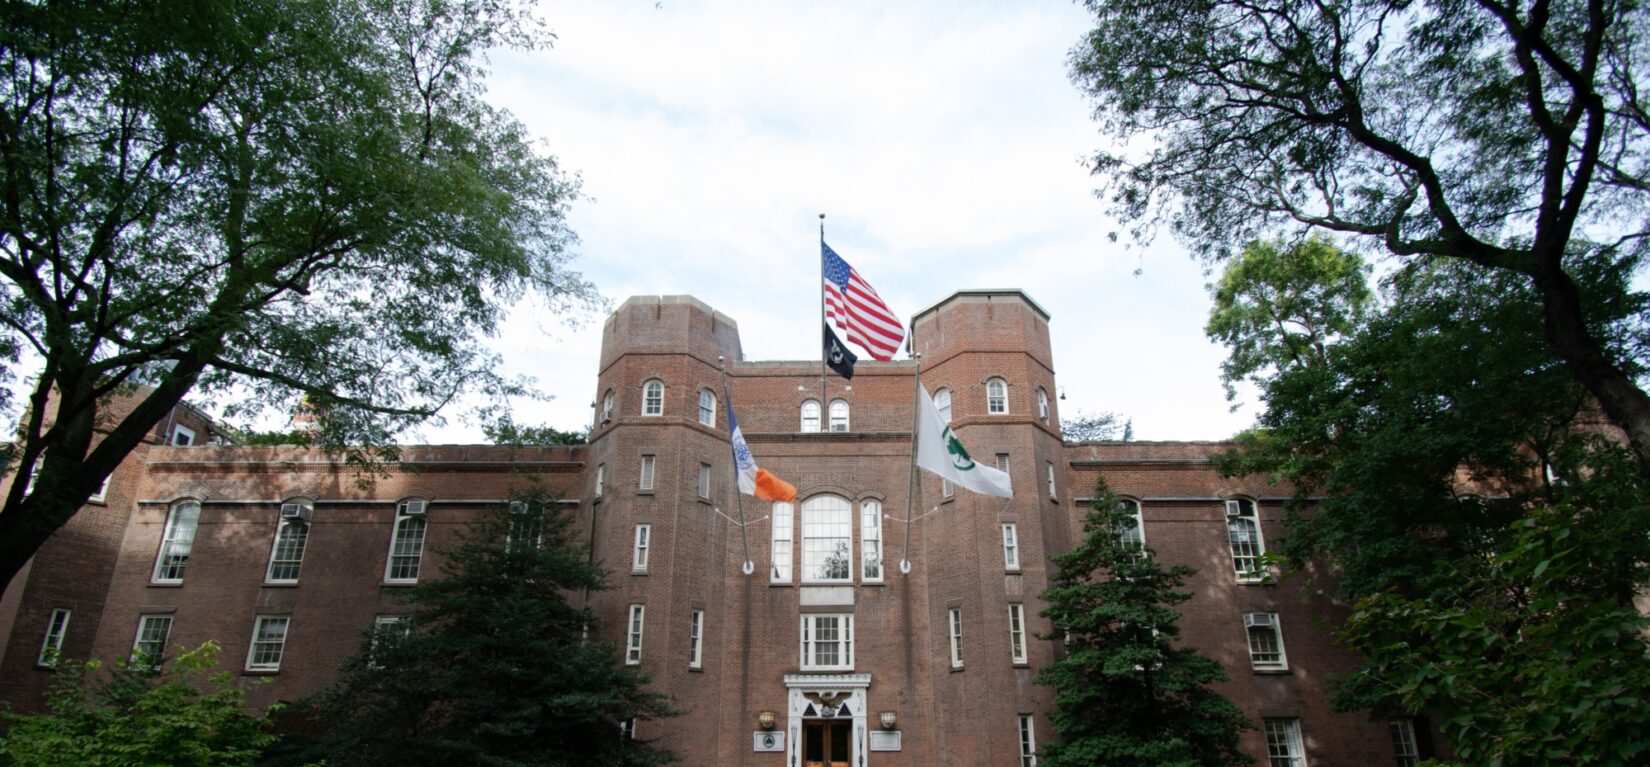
823,406
911,488
738,496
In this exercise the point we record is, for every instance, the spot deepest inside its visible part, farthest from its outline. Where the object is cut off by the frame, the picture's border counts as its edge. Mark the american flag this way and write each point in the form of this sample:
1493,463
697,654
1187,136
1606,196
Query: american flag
854,307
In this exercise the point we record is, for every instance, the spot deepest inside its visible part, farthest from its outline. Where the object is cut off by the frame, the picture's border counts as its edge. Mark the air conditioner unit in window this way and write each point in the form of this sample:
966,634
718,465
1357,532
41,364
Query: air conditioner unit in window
414,508
298,511
1251,620
1234,508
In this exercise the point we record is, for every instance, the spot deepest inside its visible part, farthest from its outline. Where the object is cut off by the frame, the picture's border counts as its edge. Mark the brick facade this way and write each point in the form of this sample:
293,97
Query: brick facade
752,658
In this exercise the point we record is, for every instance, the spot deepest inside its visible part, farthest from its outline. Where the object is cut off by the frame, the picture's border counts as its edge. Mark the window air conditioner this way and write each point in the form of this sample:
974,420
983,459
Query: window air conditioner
1251,620
298,511
414,508
1234,508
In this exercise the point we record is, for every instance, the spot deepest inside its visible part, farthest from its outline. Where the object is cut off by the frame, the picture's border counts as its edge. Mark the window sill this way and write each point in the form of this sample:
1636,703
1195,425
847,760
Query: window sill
956,669
166,584
638,572
1021,664
280,584
780,583
696,669
873,583
644,492
260,672
398,584
1284,671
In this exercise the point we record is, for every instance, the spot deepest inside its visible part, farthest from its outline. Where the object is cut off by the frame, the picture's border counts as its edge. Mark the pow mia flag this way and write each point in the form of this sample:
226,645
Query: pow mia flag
837,356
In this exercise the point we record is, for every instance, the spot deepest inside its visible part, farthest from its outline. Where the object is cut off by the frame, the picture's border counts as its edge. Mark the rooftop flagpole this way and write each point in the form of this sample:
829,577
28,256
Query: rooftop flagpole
739,496
822,399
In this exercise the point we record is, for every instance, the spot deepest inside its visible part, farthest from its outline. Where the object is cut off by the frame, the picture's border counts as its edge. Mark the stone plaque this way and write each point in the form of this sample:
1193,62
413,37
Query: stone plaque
768,740
885,740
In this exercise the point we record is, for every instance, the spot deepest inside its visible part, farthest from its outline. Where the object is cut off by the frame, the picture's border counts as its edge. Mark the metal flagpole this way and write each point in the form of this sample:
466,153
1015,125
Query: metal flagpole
822,403
738,495
911,489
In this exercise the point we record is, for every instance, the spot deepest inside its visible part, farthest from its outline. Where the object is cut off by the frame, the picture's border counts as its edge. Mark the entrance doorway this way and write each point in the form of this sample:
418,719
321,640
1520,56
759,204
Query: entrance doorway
825,742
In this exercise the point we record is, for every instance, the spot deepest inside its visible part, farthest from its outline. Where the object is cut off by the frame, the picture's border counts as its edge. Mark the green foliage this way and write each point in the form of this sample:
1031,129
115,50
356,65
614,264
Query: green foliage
1097,427
260,204
1510,138
177,716
505,431
1125,693
497,668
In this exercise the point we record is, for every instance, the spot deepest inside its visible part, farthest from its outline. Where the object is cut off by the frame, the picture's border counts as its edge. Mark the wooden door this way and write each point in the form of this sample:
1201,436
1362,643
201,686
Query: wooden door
825,742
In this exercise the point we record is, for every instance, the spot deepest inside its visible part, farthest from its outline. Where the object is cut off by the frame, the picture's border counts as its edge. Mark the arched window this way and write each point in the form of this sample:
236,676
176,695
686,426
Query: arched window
1042,404
1243,531
839,415
810,415
942,403
827,529
177,541
407,541
996,396
286,557
653,397
707,407
607,406
1131,532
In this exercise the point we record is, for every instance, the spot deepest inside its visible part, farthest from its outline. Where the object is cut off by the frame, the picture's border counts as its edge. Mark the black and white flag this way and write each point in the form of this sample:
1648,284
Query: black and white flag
837,356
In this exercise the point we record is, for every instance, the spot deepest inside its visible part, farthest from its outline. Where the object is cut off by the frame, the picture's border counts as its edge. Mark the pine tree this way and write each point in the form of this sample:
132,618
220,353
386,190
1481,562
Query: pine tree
494,665
1125,693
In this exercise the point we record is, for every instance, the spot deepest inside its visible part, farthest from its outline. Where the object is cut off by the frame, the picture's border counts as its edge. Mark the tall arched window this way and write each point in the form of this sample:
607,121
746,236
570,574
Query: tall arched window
607,406
839,415
1042,404
827,532
996,396
810,415
1131,533
177,541
1243,531
406,541
942,403
870,541
653,397
780,572
707,407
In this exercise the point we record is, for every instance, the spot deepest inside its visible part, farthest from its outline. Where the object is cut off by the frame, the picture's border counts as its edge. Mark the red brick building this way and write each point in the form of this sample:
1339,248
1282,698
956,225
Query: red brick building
285,557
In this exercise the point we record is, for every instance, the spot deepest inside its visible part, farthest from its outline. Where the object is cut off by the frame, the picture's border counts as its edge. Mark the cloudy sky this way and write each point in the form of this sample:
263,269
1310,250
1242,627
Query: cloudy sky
943,141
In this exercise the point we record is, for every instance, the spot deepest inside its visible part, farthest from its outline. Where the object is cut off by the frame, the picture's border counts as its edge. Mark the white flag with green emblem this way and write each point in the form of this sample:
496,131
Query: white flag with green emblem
940,451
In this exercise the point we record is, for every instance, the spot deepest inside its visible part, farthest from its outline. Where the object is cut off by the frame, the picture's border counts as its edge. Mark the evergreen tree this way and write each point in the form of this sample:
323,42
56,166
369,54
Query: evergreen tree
1125,694
494,666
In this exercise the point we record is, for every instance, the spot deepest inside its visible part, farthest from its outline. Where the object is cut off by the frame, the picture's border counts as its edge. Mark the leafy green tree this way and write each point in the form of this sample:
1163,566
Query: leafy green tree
1099,426
174,716
495,666
1486,523
258,203
1510,137
1125,693
505,431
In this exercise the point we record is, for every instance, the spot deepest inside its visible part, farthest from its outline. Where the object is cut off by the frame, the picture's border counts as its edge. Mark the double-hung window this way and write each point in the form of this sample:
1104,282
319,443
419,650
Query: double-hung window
633,638
149,646
51,646
406,542
707,407
646,481
1051,492
1283,743
782,540
1028,742
268,643
870,541
607,406
810,415
1243,532
1265,642
942,403
1017,633
387,630
1405,745
1131,529
1011,546
601,479
704,481
954,621
996,397
827,642
177,541
696,638
1042,404
286,557
638,554
839,415
653,397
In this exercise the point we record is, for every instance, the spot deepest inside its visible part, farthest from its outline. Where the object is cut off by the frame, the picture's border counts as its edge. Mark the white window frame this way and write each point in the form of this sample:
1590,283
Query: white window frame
1284,747
414,548
296,562
782,552
102,493
601,479
1002,462
645,478
996,396
1256,628
810,416
954,630
1028,741
264,651
696,638
51,645
383,624
1042,404
821,546
182,436
633,635
1052,494
947,490
707,407
842,624
870,541
1139,532
627,729
1405,747
607,406
175,544
1246,553
1017,633
942,403
1011,547
653,397
152,630
638,552
839,415
704,482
